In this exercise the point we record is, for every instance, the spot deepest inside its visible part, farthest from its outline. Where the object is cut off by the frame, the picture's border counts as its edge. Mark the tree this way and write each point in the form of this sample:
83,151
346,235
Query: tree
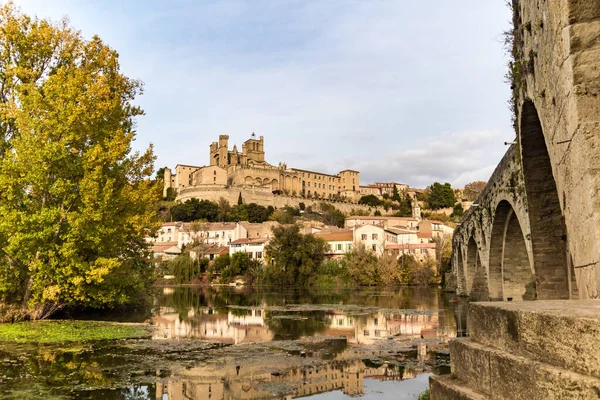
361,264
240,200
443,254
370,200
257,213
440,196
224,209
160,174
407,264
389,271
238,265
331,215
194,209
75,202
473,189
295,257
221,262
405,207
458,211
396,194
171,194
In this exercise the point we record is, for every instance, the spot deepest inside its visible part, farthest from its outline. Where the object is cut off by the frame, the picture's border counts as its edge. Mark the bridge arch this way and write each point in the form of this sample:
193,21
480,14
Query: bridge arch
460,271
511,274
475,274
548,231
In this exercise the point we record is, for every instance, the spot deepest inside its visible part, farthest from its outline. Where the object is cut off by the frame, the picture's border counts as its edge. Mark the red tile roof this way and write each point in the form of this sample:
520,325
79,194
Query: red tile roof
380,218
253,240
343,236
163,247
411,246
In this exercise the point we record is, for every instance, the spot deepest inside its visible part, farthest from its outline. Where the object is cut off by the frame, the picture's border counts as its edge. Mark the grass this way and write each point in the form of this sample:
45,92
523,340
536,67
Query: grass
424,395
68,331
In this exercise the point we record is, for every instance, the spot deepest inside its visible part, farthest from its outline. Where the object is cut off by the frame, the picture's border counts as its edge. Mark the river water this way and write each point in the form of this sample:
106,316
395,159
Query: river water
254,343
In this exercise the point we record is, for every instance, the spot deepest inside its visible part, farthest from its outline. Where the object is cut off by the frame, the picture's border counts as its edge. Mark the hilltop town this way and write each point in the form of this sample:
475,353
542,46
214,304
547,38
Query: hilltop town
246,172
234,205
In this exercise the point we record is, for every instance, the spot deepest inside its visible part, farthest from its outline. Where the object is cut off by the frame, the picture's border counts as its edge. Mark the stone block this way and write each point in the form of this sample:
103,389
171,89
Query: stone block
501,375
446,387
584,36
565,333
583,10
470,364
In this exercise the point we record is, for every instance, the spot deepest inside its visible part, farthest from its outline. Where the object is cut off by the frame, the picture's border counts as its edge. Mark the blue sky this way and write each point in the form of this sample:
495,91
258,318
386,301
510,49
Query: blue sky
409,91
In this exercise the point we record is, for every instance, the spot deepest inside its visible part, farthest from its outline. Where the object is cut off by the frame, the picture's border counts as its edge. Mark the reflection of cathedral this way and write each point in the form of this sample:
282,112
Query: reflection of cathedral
347,376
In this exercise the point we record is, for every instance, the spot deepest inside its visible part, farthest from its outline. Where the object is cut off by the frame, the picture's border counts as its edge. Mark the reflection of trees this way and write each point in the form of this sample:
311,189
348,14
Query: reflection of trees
293,326
183,298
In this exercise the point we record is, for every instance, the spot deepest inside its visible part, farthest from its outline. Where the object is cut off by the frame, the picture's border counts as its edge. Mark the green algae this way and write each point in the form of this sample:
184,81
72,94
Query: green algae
68,331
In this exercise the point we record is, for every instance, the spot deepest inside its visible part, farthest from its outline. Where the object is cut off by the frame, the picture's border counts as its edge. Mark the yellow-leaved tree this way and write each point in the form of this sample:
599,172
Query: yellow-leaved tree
75,201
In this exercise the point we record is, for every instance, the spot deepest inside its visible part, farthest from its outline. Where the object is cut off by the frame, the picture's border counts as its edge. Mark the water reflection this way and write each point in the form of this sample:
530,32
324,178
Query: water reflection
226,316
346,376
225,343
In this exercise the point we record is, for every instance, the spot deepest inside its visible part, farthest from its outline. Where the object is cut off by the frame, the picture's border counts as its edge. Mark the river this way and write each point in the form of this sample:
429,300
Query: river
254,343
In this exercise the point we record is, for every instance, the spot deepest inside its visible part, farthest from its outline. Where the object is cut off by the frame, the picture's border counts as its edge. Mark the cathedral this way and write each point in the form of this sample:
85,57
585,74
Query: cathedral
248,168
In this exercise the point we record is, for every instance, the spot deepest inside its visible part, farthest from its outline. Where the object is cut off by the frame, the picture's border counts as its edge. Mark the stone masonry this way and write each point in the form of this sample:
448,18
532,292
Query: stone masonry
534,232
542,350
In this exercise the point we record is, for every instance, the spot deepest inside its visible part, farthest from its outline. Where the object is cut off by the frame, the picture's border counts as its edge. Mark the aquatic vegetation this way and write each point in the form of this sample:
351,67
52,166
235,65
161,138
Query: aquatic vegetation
68,331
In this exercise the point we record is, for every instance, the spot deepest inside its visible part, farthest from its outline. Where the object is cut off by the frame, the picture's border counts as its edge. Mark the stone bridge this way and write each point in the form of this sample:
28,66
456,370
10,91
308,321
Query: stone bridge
534,232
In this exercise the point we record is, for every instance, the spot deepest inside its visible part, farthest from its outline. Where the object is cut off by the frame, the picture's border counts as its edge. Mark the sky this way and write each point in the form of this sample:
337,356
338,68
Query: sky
405,91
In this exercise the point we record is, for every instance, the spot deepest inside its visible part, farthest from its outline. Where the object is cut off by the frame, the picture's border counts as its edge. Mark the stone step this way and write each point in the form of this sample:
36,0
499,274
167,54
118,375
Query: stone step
447,387
564,333
501,375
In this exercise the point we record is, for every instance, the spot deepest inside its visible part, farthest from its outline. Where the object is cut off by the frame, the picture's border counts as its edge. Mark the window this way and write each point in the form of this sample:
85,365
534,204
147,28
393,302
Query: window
259,313
340,322
214,172
374,247
259,254
377,333
339,246
376,321
366,332
412,251
349,247
169,230
374,236
250,254
363,236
